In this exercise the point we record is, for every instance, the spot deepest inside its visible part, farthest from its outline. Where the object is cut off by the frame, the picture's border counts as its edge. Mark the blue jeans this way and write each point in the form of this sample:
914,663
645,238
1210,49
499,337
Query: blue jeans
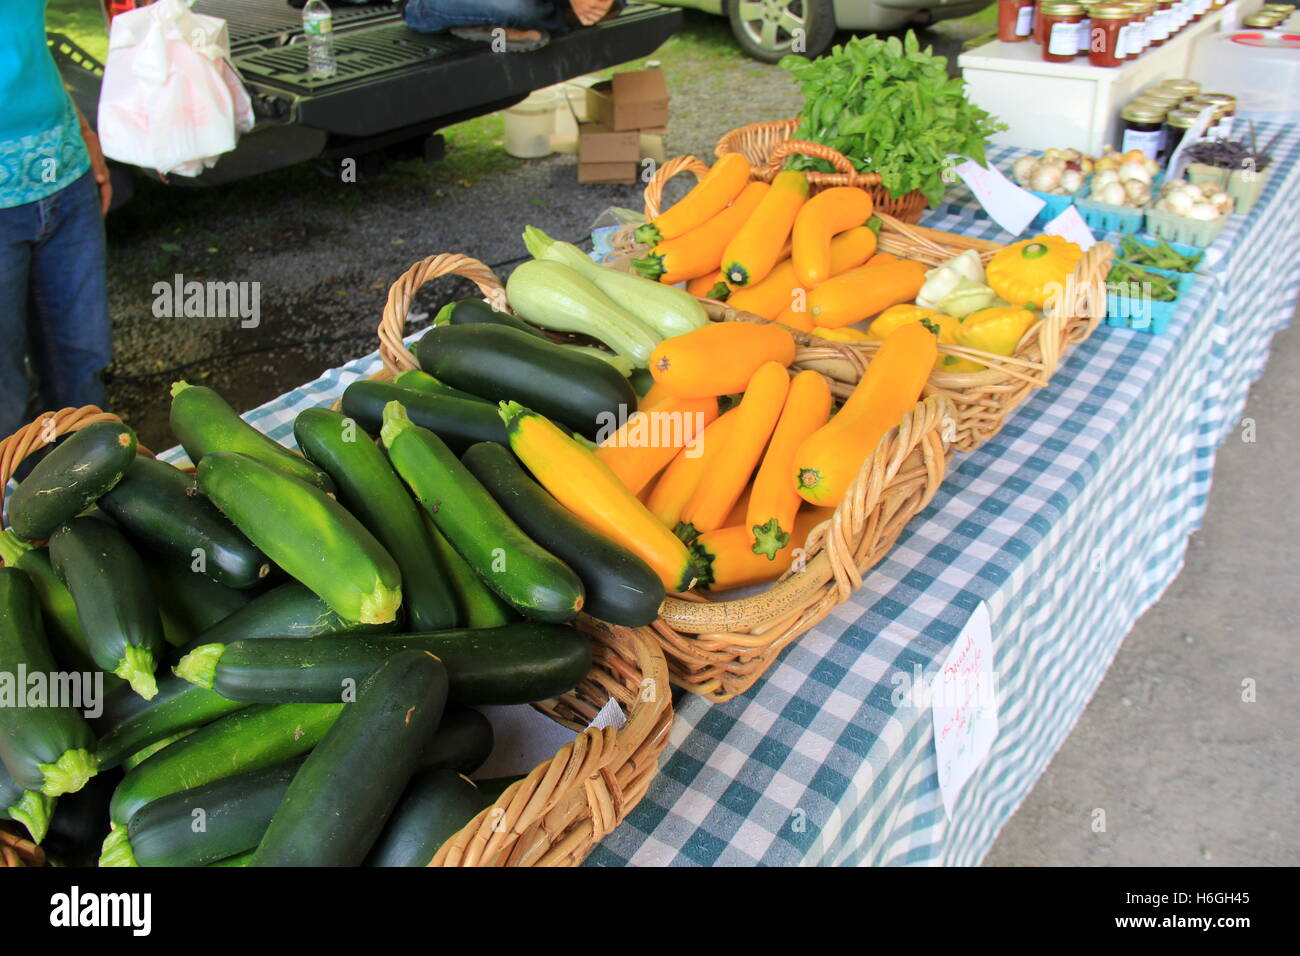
435,16
53,303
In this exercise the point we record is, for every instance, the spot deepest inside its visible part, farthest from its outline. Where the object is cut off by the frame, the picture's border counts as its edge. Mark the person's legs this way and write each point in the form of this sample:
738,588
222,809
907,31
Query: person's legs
70,328
435,16
17,229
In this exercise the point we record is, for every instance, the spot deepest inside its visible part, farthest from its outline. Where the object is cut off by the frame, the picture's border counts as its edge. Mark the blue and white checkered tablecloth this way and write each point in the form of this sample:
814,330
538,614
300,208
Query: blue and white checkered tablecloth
1069,524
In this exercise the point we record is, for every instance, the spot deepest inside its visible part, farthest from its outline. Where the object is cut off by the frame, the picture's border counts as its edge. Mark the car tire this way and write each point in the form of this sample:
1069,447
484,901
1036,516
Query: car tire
765,28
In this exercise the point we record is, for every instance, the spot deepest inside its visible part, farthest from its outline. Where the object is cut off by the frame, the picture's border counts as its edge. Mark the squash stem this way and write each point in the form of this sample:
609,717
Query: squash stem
380,605
116,850
178,387
396,421
33,811
199,666
69,773
136,668
649,234
769,539
12,548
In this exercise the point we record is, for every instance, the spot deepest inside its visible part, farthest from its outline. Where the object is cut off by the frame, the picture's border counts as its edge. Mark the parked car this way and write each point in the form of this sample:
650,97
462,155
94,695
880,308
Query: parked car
767,29
393,86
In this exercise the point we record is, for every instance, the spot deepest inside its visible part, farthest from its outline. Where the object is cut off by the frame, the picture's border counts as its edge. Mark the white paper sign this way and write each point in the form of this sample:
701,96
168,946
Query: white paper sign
1007,204
964,703
1070,225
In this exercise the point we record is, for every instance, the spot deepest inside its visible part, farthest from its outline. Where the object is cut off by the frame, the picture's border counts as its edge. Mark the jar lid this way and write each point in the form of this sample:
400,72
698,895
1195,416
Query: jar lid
1185,87
1183,119
1158,95
1062,8
1150,103
1141,8
1214,99
1287,8
1110,11
1142,113
1261,20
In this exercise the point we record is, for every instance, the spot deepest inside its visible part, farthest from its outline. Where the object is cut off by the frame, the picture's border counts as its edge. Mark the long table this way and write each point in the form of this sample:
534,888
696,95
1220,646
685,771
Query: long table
1067,526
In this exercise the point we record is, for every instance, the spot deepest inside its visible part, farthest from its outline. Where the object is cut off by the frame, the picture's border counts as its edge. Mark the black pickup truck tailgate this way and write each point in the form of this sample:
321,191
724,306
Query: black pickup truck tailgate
390,77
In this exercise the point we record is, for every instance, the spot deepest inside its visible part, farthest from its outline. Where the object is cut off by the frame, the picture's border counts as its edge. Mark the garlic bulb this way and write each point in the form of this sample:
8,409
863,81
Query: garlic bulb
1045,178
1135,169
1113,194
1203,211
1023,169
1071,181
1133,188
1222,202
1176,202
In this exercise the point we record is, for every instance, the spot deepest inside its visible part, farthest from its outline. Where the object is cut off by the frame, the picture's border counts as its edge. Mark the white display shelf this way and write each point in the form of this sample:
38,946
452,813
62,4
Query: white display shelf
1075,104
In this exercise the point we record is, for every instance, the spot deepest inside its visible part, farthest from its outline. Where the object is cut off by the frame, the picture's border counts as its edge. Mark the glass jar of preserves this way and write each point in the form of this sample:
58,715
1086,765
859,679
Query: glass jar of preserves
1061,19
1182,87
1261,21
1224,114
1108,23
1015,20
1161,25
1177,124
1142,128
1039,34
1140,13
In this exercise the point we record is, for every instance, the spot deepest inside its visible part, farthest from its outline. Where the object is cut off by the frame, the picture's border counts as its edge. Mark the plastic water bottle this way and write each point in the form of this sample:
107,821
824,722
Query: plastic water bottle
318,26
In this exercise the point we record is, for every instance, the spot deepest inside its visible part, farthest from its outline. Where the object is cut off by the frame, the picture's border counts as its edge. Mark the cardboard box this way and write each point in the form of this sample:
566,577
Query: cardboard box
636,99
600,144
607,172
652,147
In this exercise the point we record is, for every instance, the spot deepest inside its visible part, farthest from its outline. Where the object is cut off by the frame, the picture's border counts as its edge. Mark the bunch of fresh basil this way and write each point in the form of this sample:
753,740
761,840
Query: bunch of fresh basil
892,109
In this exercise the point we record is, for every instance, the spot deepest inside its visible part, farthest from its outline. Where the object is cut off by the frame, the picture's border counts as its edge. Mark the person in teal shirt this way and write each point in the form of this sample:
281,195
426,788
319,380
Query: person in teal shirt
55,336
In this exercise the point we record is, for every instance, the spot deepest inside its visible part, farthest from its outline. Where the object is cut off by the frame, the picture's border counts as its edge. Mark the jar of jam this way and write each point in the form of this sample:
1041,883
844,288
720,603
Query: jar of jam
1061,19
1182,87
1143,128
1140,13
1015,20
1040,32
1161,25
1224,114
1108,23
1177,124
1260,21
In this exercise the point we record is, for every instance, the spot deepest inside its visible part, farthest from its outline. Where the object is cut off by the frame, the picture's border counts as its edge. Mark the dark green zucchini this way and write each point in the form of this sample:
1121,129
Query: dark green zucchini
338,802
307,533
534,581
479,604
210,823
249,739
204,422
457,421
157,505
420,381
370,489
243,859
31,808
478,312
620,587
463,741
45,743
493,787
71,478
115,602
435,805
59,612
515,664
190,602
572,389
641,380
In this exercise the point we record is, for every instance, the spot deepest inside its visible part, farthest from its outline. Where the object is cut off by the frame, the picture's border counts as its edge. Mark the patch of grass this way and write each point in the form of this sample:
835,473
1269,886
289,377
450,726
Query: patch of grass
82,22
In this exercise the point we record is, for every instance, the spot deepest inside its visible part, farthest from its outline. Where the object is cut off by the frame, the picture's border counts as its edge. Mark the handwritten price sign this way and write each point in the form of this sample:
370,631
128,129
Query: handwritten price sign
964,705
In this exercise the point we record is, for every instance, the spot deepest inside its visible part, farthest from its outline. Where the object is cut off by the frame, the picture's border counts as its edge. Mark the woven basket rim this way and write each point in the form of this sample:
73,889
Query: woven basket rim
565,805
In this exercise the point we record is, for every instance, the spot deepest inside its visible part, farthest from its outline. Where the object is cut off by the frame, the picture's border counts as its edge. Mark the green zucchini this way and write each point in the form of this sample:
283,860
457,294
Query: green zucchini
457,421
516,664
158,505
478,312
307,533
249,739
204,422
420,381
115,602
243,859
642,380
338,802
71,478
531,579
479,604
493,787
620,587
210,823
46,746
31,808
463,741
178,706
370,489
59,612
434,807
190,602
140,756
575,390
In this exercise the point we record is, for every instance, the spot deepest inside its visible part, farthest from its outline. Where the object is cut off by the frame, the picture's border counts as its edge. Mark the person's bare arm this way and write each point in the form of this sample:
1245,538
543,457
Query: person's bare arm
590,11
98,165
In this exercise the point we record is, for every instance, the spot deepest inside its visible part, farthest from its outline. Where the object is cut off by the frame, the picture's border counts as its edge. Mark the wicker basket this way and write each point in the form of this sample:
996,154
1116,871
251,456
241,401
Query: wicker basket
565,806
720,648
768,145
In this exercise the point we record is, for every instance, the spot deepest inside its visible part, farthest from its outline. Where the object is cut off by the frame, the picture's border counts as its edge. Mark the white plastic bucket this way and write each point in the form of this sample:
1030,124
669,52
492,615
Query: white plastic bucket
528,125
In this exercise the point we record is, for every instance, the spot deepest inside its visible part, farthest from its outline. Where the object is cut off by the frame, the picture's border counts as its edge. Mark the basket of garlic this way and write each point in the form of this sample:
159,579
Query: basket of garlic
1118,191
1191,213
1056,177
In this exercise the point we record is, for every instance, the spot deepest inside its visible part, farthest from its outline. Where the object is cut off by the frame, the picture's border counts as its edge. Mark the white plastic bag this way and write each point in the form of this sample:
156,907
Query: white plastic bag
170,99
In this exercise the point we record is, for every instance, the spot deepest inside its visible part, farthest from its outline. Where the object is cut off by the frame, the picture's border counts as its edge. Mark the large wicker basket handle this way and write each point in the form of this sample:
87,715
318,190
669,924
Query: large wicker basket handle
392,327
654,190
790,147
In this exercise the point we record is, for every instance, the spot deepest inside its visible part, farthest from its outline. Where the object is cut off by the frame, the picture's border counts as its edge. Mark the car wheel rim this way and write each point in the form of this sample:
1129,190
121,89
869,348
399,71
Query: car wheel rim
772,24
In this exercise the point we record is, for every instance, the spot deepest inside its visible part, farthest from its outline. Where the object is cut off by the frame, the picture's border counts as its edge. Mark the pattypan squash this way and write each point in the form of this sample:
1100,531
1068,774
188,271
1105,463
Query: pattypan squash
1030,271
